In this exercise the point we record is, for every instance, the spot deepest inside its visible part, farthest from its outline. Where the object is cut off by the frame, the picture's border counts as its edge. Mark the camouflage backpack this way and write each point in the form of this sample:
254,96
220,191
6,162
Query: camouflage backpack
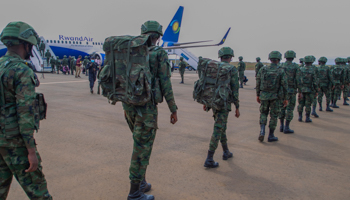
291,71
127,76
323,75
337,73
213,89
156,91
270,79
307,75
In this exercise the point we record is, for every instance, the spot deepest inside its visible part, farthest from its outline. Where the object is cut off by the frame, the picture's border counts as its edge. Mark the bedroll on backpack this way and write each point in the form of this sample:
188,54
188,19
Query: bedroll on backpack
126,77
213,89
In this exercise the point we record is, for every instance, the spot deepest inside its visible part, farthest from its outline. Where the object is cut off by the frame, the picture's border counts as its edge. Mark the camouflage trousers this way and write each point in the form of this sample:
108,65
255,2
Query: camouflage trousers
287,112
13,162
314,101
241,77
337,92
53,68
144,132
306,102
182,76
346,91
220,118
57,68
272,106
324,90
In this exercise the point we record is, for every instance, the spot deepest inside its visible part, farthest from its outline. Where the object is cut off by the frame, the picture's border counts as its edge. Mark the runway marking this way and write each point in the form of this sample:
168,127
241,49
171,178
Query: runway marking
62,82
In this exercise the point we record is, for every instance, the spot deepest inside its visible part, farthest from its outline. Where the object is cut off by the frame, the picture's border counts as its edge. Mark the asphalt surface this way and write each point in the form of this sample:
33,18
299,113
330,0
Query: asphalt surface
86,146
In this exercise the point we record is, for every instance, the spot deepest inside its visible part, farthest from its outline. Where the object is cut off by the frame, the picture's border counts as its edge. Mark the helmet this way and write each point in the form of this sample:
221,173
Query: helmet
57,57
85,57
345,60
225,51
64,56
313,58
309,59
322,59
240,58
258,58
181,58
301,59
153,26
290,54
348,59
47,50
16,31
275,55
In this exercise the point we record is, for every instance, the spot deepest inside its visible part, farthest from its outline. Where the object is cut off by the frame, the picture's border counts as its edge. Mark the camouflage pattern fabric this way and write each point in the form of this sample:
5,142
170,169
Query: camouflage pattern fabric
219,134
272,106
65,61
287,112
338,76
347,81
14,162
258,66
241,69
73,62
306,101
314,102
324,90
325,83
307,86
58,64
48,56
42,48
182,68
53,63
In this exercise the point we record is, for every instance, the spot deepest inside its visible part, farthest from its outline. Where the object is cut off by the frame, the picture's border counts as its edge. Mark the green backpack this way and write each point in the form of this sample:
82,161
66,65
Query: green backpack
337,73
270,79
213,89
126,76
307,76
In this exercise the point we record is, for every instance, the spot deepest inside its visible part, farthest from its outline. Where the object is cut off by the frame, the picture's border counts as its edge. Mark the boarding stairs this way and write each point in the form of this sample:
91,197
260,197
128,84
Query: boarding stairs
40,61
191,59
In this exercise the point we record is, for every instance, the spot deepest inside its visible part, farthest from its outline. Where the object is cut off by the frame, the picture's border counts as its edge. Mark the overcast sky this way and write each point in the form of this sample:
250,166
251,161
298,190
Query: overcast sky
309,27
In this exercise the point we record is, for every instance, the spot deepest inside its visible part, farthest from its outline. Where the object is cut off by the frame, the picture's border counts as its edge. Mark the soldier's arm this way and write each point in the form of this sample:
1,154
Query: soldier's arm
235,87
284,85
25,101
164,74
258,78
297,77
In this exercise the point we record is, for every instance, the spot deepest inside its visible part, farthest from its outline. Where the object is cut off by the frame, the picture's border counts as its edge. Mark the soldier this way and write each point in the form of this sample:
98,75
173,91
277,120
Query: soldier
199,71
142,120
182,68
73,62
348,60
78,67
65,63
85,63
314,101
258,66
42,48
338,75
93,68
271,89
325,83
307,87
58,65
18,154
241,69
347,81
290,68
52,63
301,61
48,56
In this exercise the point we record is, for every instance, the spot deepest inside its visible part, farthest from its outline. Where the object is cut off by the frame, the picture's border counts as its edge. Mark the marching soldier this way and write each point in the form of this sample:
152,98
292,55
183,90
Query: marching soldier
241,69
182,68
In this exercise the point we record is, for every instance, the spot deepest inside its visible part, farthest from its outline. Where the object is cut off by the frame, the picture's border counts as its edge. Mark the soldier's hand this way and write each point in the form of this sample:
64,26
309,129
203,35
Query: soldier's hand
285,103
300,96
333,87
173,117
33,160
342,87
258,99
237,113
204,108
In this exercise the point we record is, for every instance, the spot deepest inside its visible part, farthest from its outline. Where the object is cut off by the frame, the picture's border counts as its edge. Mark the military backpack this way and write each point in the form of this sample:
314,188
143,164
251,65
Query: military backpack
323,75
270,79
291,70
307,76
337,74
213,89
127,77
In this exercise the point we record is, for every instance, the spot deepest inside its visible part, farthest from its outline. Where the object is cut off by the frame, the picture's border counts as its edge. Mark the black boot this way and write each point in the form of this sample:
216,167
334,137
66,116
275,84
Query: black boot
227,154
241,86
262,132
287,129
320,104
314,112
272,137
91,91
136,194
335,104
144,186
300,119
307,120
331,105
345,103
282,125
209,162
328,109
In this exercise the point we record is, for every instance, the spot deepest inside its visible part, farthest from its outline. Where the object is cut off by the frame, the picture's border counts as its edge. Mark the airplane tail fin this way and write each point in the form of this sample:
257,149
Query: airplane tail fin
224,38
172,32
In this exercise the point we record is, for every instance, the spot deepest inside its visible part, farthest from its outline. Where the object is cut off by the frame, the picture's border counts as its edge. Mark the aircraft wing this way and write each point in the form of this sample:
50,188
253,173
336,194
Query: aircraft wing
179,45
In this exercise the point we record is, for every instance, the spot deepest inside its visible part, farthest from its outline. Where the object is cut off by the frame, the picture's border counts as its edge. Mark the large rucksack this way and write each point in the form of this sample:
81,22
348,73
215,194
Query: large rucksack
291,70
323,75
213,89
126,77
337,74
307,76
270,79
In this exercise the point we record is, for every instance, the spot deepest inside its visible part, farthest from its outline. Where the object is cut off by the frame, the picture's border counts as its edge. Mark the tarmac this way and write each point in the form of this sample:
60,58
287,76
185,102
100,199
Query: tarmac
86,146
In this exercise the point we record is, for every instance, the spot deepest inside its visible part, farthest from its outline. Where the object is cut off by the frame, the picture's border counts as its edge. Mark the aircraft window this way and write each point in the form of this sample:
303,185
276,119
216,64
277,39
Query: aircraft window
66,42
70,42
87,43
47,41
93,43
50,41
73,42
54,41
80,42
58,41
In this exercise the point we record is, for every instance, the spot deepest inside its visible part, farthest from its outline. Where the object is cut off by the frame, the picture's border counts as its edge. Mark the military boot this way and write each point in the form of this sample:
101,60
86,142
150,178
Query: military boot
136,194
241,85
272,137
320,104
282,125
227,154
209,162
331,105
328,109
307,120
300,119
287,129
144,186
314,112
335,104
345,103
262,132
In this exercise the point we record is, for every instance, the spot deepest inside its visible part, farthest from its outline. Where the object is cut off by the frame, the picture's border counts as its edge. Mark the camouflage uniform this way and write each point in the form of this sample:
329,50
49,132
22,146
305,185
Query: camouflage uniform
325,83
338,75
347,81
73,62
258,66
314,102
307,87
182,68
42,48
47,55
18,118
241,69
301,60
58,64
65,62
53,63
85,63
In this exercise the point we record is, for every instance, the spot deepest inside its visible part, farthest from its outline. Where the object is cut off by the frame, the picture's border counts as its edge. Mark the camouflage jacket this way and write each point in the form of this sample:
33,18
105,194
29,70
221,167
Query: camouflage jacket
307,79
47,54
234,87
258,66
325,76
42,46
159,64
52,61
301,65
73,62
65,61
182,66
317,79
338,74
58,62
19,91
271,86
86,61
241,66
290,69
347,74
